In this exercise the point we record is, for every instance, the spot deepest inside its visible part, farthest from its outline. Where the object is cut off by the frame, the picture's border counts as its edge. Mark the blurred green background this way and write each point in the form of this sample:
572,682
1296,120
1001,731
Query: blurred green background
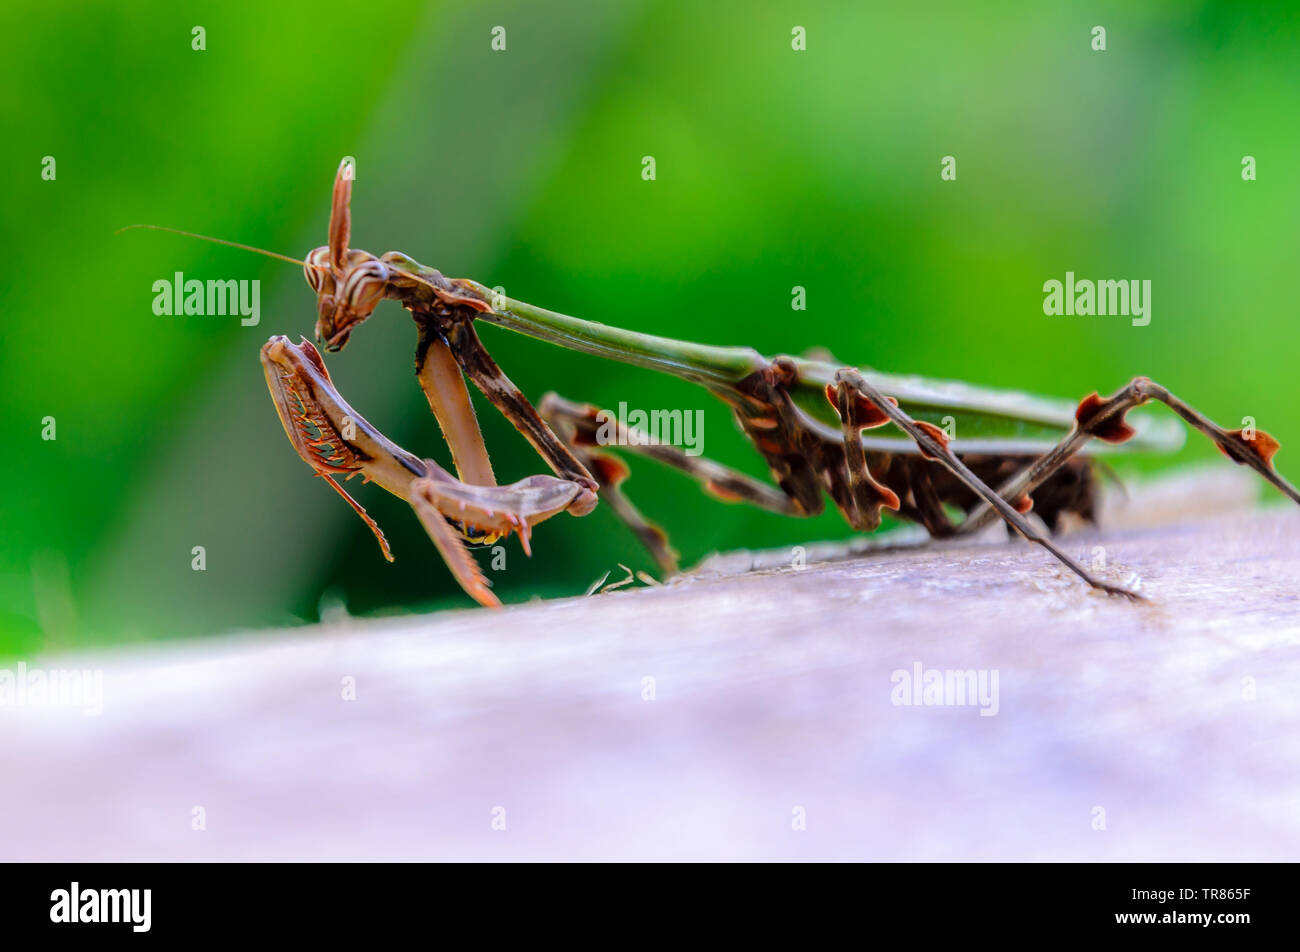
523,169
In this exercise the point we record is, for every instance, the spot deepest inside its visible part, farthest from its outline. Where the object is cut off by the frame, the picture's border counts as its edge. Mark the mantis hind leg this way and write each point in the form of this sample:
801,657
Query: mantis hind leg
1104,420
865,406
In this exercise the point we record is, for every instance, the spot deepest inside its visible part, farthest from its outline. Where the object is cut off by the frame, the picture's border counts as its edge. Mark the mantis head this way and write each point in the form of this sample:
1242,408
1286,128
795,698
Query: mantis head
349,284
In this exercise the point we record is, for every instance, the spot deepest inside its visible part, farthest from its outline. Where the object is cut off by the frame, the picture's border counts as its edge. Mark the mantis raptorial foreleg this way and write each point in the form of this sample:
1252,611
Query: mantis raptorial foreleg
333,439
444,387
479,366
349,283
453,512
850,385
1104,420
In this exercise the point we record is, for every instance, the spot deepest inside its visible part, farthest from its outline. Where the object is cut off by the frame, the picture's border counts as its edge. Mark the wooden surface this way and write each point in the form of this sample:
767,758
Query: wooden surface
1180,719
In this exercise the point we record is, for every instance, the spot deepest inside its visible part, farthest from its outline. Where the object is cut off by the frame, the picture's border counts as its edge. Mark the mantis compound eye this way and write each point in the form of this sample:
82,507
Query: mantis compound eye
317,270
364,287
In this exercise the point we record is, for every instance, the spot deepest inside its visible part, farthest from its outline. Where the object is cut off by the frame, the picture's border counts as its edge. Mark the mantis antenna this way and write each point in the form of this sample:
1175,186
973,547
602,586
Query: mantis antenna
261,251
223,241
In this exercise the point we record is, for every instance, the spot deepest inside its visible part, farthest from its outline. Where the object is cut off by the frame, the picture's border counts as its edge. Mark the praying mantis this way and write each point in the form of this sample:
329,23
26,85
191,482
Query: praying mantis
816,423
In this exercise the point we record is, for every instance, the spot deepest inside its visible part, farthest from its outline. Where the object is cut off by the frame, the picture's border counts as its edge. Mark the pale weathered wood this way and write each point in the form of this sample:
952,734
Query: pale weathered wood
772,691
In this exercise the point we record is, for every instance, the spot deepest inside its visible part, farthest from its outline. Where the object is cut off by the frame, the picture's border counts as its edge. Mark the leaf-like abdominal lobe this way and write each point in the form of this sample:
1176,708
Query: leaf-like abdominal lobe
1262,444
1113,430
865,414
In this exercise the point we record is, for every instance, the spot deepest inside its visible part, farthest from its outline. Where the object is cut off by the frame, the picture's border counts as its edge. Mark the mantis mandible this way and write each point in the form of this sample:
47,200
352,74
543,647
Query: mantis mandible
808,418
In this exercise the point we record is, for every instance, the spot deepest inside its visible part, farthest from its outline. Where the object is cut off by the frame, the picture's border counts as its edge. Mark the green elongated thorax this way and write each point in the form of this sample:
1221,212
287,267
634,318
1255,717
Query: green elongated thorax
981,419
699,362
